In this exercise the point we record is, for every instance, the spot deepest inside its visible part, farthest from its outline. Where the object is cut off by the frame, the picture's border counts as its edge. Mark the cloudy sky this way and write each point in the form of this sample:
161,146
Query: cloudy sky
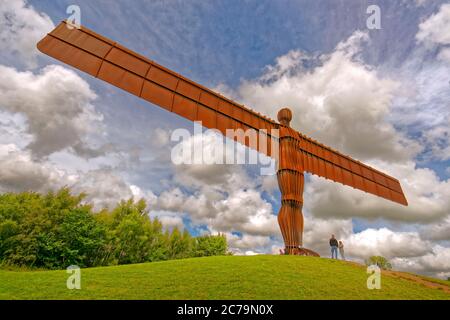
381,95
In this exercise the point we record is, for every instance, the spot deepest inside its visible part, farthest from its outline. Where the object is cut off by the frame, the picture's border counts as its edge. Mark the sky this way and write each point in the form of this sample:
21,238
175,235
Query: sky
379,95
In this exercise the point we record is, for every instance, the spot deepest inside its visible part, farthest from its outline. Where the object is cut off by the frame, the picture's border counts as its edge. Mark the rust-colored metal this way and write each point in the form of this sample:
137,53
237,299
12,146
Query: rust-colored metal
109,61
125,69
290,180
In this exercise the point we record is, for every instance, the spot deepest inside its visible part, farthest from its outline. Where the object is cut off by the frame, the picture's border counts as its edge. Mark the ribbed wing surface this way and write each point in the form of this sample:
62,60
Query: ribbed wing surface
325,162
123,68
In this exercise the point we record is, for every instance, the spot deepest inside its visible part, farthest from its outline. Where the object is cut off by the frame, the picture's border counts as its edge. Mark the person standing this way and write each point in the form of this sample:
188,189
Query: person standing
334,247
341,250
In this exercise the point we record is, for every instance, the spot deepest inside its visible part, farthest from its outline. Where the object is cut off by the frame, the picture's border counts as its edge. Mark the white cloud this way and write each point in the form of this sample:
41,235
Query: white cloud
434,263
21,27
241,210
341,102
438,140
105,188
428,197
438,231
246,242
19,172
346,104
436,29
149,197
318,231
361,245
160,137
46,112
57,105
386,243
444,54
435,32
169,219
171,222
222,197
246,211
211,170
407,251
13,129
269,184
422,104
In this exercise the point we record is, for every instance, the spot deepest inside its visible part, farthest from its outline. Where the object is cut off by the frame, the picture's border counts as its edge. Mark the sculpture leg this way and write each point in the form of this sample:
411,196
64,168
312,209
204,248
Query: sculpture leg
290,217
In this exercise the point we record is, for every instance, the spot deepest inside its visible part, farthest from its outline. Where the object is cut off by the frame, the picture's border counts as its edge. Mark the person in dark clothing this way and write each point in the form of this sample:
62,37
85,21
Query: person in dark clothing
334,247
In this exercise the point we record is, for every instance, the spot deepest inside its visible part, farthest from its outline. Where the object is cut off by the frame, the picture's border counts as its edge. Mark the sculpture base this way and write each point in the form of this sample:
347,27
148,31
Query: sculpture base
301,252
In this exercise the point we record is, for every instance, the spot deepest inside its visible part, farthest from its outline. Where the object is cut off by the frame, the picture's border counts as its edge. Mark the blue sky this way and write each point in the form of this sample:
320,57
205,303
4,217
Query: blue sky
225,42
381,96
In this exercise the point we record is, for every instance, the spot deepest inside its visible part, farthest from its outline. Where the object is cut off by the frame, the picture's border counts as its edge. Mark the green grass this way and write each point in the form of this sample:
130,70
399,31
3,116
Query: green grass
229,277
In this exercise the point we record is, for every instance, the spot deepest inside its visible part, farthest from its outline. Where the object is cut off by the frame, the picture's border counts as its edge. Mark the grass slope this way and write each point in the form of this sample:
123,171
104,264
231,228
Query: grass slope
238,277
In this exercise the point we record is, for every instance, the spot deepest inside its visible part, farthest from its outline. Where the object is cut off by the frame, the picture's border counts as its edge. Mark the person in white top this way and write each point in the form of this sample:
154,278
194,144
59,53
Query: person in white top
341,250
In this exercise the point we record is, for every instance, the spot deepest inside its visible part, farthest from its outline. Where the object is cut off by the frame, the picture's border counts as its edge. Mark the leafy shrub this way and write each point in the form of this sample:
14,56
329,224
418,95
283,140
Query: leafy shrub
381,262
210,246
58,229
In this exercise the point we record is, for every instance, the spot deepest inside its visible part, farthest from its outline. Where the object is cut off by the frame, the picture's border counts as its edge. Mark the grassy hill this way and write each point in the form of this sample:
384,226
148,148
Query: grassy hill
230,277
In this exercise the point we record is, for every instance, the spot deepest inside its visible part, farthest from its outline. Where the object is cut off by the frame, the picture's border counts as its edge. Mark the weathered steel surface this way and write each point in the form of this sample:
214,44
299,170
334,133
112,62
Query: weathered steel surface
291,181
123,68
325,162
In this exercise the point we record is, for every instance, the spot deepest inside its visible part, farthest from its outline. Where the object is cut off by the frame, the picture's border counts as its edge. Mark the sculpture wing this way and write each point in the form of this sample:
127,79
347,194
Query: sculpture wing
325,162
123,68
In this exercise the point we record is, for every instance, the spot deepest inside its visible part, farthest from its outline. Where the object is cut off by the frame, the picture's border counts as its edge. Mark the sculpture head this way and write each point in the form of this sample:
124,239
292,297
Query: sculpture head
284,116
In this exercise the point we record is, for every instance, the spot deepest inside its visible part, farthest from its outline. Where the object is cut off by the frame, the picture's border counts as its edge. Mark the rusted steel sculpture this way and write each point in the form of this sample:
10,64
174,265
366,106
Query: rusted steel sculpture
290,180
123,68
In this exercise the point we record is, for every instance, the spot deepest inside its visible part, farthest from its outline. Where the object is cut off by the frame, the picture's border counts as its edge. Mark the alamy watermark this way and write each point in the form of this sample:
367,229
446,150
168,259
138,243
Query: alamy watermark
74,19
74,280
208,147
374,20
374,279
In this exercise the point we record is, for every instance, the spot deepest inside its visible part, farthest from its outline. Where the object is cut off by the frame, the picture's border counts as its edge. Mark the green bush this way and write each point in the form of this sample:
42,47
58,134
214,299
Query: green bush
210,246
381,262
58,229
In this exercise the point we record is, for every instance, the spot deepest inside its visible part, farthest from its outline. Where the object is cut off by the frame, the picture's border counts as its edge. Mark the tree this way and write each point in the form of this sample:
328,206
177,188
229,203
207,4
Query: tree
58,229
210,246
180,244
157,242
380,261
83,238
8,229
48,231
133,236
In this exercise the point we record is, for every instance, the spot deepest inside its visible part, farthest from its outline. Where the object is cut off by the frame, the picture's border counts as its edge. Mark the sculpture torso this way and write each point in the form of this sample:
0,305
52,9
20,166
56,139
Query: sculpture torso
290,179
